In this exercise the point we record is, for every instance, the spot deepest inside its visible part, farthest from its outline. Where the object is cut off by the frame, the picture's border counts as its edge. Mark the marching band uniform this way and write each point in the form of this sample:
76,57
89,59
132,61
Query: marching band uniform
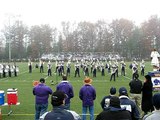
68,67
142,66
94,71
86,70
113,72
41,64
1,70
30,66
49,69
102,70
134,69
9,71
123,65
77,69
116,63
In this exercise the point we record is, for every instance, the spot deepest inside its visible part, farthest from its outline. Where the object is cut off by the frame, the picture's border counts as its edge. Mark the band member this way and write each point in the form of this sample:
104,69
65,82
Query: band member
1,70
113,72
68,68
49,69
77,69
142,66
116,64
9,71
30,66
59,69
16,69
134,69
86,70
123,65
102,70
41,64
155,59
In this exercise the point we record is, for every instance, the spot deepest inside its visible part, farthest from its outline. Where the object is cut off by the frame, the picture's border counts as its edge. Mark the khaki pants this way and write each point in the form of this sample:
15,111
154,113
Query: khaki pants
137,98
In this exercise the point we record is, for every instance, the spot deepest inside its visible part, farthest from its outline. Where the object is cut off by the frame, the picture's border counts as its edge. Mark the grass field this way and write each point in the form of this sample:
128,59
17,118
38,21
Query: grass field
24,80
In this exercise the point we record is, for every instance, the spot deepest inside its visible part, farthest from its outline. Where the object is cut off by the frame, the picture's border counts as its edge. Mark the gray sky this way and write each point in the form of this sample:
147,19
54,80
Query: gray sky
53,12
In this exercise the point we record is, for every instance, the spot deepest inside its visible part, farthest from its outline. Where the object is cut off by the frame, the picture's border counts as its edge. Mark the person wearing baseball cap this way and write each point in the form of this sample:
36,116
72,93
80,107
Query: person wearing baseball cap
59,112
128,104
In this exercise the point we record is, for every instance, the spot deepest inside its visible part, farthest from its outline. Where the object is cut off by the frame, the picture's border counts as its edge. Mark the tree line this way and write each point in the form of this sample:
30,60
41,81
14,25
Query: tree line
121,35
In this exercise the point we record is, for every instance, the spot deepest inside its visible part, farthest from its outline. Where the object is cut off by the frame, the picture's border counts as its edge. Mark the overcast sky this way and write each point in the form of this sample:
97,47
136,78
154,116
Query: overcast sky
53,12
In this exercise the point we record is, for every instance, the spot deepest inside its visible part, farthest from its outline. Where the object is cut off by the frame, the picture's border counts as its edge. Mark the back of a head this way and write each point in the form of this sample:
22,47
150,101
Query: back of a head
112,90
115,102
64,77
148,78
136,76
122,91
42,80
156,101
57,98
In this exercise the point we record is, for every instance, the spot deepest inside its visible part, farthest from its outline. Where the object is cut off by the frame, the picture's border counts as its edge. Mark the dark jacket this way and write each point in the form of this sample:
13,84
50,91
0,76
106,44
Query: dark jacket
59,113
87,94
67,88
130,106
147,97
105,102
114,114
135,86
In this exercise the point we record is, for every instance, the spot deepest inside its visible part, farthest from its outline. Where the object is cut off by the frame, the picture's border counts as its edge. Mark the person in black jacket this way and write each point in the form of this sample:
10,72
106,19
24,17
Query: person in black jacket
114,112
106,100
135,90
147,89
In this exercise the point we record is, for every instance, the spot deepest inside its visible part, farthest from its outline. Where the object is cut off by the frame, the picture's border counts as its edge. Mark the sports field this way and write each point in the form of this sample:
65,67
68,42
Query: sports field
24,80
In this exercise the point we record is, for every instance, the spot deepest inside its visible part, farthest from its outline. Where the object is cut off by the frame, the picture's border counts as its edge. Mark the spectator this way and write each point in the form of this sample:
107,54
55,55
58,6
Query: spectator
59,112
41,92
114,112
106,100
67,88
155,115
135,90
147,88
87,94
128,104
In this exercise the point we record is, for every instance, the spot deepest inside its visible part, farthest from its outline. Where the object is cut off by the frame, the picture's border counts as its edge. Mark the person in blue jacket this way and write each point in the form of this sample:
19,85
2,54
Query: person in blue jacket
87,94
41,92
128,104
67,88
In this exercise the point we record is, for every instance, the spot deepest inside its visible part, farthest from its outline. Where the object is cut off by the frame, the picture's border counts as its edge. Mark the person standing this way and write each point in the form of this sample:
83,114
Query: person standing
147,89
87,94
135,90
41,92
106,100
123,65
155,59
67,88
41,64
77,69
114,111
30,66
49,68
142,65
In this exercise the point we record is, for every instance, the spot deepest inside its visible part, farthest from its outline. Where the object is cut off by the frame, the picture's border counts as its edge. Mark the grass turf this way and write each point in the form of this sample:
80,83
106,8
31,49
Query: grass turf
24,80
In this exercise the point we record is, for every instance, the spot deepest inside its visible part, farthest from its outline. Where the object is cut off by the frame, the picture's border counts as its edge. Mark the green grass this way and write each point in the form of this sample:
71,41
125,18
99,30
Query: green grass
25,111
